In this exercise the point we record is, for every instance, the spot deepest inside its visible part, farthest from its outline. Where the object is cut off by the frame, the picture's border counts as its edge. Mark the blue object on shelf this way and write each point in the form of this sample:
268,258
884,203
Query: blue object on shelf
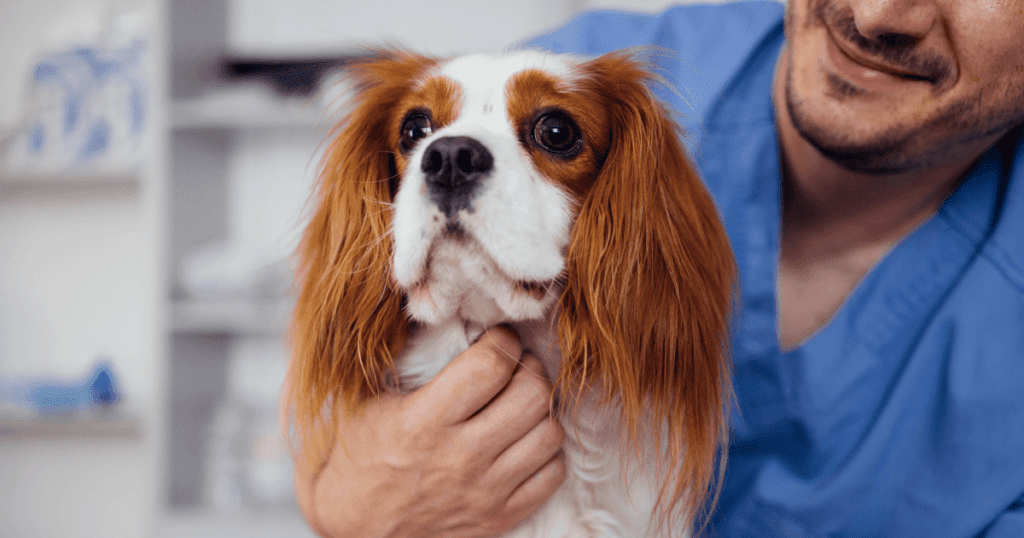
97,391
102,386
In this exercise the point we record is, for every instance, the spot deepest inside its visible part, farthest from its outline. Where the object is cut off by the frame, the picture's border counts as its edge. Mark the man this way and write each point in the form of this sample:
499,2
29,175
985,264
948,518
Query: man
869,169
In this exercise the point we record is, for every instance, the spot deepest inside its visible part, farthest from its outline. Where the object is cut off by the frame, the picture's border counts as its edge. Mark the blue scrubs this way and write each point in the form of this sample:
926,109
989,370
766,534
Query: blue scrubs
904,415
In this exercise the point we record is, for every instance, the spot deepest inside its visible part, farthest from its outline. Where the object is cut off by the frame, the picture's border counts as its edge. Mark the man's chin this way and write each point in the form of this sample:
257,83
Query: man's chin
870,159
884,153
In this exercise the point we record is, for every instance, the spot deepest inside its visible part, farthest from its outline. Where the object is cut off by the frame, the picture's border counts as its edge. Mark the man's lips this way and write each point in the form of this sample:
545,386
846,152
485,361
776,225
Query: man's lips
868,74
853,56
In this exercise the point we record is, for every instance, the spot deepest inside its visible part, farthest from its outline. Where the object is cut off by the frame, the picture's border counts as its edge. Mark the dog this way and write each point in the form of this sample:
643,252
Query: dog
550,193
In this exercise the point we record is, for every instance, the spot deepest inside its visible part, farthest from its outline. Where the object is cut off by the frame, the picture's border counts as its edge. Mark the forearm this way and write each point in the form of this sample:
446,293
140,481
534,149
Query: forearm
333,514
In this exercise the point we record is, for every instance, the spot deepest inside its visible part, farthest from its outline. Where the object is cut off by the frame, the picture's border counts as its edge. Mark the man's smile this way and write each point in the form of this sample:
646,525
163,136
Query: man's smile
844,54
881,64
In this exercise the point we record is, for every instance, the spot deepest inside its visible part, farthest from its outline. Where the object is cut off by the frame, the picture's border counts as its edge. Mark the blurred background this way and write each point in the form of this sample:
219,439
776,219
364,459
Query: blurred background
155,158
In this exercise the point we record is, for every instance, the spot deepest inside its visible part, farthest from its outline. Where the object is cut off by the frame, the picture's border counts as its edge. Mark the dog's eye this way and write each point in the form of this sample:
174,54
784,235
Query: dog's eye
414,128
556,133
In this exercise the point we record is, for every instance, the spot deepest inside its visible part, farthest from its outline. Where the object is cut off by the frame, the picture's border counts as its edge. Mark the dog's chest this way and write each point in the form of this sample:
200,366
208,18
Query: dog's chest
596,501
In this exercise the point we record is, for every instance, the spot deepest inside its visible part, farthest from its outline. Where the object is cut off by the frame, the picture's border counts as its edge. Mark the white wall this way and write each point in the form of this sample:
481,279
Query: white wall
437,27
650,6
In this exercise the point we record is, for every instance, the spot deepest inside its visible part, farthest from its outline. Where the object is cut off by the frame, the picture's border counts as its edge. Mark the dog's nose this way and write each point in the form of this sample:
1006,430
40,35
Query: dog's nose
454,166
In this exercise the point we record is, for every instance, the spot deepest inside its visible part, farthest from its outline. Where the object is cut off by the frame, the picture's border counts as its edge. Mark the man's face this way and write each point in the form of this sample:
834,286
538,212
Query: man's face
883,86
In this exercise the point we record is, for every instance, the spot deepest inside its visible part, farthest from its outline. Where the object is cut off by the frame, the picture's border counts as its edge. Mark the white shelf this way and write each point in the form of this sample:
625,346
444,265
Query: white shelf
247,110
245,524
84,177
242,316
113,424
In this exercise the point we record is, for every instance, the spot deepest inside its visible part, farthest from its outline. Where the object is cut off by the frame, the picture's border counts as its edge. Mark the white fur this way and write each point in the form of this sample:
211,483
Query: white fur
517,231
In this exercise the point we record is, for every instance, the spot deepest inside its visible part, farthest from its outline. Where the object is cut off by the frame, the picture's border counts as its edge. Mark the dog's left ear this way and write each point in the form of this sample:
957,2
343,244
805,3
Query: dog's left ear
650,274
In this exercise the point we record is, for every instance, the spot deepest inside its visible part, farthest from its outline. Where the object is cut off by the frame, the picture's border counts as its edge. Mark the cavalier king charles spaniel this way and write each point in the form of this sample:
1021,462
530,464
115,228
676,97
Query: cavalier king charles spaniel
550,193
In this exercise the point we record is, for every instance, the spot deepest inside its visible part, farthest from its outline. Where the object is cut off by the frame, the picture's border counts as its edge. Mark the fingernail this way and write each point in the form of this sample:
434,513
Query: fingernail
537,368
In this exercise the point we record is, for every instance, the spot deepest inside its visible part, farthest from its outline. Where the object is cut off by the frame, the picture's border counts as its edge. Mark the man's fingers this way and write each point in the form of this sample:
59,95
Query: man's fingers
528,454
536,489
524,402
472,379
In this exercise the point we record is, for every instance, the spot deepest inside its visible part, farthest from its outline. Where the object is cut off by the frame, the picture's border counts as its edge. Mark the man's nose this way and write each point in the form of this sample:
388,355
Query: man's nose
895,22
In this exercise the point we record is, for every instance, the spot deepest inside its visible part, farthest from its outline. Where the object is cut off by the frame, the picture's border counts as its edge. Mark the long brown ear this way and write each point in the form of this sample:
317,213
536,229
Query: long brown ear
348,323
646,310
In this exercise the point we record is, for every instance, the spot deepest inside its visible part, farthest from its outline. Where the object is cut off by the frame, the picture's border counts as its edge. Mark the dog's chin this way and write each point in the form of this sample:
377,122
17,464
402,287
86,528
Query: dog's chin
429,303
460,281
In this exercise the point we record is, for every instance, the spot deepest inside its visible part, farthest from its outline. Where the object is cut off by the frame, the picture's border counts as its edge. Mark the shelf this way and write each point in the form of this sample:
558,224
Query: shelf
105,425
244,524
247,110
85,177
240,316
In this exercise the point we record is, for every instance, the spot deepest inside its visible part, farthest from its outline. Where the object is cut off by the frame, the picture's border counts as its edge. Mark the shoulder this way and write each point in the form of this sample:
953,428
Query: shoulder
686,28
983,313
1001,243
699,49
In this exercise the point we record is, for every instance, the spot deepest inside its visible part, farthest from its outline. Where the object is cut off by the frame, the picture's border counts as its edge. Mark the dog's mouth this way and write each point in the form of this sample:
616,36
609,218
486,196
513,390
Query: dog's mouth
455,250
453,229
459,277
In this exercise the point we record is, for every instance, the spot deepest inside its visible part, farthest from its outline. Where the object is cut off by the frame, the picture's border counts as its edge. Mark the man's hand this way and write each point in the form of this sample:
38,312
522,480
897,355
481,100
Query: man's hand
472,453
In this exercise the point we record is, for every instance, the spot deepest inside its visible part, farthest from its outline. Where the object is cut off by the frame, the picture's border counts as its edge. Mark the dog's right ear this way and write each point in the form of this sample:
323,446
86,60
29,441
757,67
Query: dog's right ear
348,324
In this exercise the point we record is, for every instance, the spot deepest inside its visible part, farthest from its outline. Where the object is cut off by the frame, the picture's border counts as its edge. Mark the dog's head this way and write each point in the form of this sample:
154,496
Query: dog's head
544,183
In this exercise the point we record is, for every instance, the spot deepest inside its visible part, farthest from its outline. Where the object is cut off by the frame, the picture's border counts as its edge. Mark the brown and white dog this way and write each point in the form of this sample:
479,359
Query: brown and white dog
551,193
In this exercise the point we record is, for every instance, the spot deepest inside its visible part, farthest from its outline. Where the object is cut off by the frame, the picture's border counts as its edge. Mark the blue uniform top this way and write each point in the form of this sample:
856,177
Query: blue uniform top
904,415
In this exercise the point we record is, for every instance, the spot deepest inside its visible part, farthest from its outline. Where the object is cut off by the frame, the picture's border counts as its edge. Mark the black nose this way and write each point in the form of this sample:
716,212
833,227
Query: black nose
454,166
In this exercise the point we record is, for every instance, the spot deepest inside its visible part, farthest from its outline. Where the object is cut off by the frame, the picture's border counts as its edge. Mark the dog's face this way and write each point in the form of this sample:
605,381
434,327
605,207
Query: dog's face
493,157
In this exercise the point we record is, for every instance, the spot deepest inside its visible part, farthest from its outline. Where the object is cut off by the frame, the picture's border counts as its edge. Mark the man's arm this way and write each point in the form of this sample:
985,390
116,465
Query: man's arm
472,453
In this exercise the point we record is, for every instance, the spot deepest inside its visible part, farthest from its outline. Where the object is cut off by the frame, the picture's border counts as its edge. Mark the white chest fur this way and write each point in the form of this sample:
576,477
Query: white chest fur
597,499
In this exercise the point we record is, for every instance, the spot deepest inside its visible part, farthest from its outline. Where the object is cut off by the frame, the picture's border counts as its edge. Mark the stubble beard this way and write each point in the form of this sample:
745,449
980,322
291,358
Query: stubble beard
901,147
